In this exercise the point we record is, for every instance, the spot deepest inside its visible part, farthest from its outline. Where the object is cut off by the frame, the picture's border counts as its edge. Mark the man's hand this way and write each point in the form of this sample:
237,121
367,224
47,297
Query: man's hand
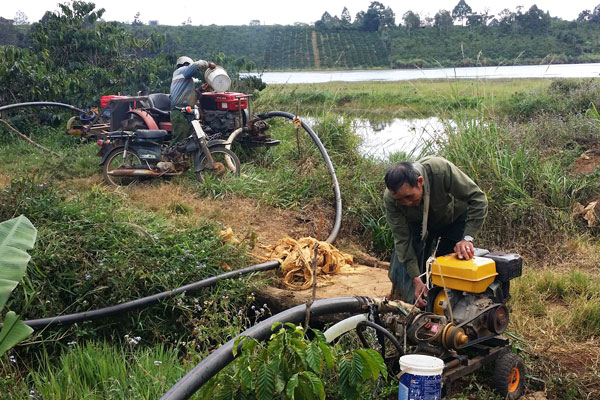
420,292
212,65
464,250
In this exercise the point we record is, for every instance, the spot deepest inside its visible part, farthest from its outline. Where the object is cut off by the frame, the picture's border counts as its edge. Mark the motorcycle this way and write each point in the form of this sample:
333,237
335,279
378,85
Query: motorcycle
128,156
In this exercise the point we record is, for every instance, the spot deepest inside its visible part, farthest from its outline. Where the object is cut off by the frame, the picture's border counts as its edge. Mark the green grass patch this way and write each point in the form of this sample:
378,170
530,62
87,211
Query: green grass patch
418,98
97,370
572,298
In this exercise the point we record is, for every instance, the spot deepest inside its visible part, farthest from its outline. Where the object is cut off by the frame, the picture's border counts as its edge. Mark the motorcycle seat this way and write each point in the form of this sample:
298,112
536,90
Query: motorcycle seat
160,101
151,134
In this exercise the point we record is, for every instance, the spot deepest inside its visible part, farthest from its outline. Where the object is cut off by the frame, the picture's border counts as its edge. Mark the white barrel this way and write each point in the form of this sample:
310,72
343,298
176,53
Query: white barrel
218,79
421,377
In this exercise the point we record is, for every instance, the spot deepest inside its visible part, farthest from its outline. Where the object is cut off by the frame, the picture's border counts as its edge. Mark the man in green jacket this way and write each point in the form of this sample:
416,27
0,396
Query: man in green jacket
427,201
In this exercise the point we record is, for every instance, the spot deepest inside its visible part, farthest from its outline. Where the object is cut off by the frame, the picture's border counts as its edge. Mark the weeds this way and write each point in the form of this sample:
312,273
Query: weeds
99,371
97,247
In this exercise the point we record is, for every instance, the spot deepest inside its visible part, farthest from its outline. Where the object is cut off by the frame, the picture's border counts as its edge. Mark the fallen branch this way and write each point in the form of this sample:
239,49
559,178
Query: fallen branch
370,261
29,140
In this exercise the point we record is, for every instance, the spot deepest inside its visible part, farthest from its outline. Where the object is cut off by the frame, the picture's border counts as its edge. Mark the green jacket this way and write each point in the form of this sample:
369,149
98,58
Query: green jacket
451,192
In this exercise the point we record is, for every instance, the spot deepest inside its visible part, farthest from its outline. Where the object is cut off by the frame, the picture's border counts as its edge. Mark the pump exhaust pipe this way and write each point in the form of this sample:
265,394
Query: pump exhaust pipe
140,172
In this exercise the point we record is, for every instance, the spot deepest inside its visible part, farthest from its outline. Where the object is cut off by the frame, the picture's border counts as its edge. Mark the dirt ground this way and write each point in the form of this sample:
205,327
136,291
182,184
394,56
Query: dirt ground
268,225
587,162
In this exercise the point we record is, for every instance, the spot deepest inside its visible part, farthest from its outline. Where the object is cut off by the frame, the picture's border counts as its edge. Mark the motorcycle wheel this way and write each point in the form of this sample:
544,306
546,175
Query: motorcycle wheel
227,163
115,161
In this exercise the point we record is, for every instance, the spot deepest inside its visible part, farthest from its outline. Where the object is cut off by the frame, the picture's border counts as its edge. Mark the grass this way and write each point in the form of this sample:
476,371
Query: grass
403,99
100,371
98,246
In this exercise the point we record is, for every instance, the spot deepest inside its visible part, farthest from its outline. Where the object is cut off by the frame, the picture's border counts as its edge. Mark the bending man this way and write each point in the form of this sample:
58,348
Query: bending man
183,93
425,201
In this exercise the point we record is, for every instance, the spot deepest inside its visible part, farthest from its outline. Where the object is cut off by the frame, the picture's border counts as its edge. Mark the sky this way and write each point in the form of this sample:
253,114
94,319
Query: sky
269,12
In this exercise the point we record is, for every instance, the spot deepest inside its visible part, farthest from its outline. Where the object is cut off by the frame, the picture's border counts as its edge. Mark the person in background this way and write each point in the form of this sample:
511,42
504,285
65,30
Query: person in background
427,203
183,93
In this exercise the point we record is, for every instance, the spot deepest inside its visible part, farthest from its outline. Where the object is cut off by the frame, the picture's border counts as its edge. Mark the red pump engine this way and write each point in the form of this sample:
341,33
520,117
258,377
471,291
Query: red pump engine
224,111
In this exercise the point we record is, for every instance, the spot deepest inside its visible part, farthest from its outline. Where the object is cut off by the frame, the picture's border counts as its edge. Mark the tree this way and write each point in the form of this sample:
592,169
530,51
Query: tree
327,21
377,15
136,19
475,20
411,20
595,17
20,18
461,11
443,20
359,19
254,22
371,21
345,17
534,20
388,18
584,16
506,20
8,33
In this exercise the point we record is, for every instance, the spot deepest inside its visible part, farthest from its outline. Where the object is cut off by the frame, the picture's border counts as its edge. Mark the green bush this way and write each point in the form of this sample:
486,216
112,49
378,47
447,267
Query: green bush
95,251
290,366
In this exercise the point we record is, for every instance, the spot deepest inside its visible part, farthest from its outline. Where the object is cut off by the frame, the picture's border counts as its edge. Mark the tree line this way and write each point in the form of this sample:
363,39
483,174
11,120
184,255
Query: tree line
72,54
379,17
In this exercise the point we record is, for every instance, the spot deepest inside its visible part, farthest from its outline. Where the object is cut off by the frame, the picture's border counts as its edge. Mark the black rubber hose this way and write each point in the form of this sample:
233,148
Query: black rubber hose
222,356
379,329
146,301
336,188
40,104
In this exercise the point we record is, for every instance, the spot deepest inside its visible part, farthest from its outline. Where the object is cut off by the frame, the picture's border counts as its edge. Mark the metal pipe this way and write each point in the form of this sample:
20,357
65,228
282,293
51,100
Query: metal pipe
141,172
336,188
40,104
146,301
222,356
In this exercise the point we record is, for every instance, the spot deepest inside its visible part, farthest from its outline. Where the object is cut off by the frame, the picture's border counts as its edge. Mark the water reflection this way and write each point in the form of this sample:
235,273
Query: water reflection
381,139
509,72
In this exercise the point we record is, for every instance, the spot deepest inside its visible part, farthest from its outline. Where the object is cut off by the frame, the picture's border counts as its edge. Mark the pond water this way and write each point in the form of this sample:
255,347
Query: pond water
381,139
389,75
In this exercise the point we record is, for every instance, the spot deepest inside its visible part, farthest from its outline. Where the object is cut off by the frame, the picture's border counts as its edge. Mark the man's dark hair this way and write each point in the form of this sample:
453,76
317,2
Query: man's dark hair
399,174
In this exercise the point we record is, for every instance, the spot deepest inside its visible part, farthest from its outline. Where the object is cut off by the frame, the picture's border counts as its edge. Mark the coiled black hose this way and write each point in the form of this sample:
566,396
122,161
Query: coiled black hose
336,187
146,301
219,359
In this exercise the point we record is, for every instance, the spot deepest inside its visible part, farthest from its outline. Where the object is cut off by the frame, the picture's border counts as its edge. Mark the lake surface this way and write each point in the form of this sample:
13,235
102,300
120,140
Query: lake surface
389,75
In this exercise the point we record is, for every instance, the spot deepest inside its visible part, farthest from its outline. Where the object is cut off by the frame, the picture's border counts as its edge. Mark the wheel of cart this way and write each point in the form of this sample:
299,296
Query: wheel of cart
509,375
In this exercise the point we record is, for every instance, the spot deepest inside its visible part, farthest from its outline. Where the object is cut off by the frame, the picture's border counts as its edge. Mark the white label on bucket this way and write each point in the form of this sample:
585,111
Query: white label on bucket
420,387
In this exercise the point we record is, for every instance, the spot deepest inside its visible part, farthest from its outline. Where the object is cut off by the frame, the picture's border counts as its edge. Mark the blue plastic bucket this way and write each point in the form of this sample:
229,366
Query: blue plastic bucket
421,377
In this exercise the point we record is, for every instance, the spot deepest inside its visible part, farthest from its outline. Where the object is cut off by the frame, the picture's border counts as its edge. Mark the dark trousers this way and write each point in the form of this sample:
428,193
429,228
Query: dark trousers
402,284
181,126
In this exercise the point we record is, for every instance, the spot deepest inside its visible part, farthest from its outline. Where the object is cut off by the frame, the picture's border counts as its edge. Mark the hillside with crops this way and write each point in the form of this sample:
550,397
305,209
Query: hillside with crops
276,47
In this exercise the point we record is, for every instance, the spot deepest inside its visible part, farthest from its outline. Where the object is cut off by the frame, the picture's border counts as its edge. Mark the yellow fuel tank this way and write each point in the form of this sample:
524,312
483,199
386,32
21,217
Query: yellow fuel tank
472,276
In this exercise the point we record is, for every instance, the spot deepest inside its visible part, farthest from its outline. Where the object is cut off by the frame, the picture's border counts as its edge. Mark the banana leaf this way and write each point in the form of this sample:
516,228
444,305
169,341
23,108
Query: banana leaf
16,236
